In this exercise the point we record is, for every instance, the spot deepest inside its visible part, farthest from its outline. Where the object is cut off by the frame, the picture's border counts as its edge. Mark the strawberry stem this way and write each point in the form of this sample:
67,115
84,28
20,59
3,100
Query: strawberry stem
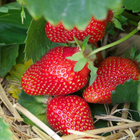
116,42
131,16
133,23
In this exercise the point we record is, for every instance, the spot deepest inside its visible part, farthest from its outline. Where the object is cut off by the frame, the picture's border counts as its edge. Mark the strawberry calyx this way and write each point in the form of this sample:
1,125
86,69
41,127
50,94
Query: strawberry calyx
83,58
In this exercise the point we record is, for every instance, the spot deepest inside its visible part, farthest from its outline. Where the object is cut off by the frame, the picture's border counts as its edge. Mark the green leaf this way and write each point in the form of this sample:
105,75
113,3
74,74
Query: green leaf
118,11
76,56
77,12
118,24
20,58
11,28
133,5
126,92
121,18
132,52
10,6
110,29
5,133
17,71
35,104
37,43
138,57
78,43
80,64
52,44
84,43
138,105
98,109
134,111
8,55
93,73
88,50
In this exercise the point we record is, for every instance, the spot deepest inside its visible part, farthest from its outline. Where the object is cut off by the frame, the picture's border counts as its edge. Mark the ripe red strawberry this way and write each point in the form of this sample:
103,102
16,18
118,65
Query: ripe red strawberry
118,66
69,112
111,72
54,74
101,89
95,29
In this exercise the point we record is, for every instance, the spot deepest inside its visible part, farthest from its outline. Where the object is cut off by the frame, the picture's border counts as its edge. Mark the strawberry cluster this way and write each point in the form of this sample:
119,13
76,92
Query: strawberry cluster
111,72
54,75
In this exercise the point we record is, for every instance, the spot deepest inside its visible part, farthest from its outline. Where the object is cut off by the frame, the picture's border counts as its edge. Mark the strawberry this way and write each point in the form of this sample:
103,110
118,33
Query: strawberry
101,89
69,112
111,72
96,30
118,66
110,16
54,74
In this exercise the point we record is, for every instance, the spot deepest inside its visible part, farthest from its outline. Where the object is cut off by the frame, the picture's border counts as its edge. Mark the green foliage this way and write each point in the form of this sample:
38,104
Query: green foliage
11,28
133,53
5,133
12,33
133,5
70,12
93,73
126,92
118,24
35,104
76,57
85,42
20,58
29,41
17,71
119,19
138,103
37,43
10,6
80,64
8,55
98,109
134,112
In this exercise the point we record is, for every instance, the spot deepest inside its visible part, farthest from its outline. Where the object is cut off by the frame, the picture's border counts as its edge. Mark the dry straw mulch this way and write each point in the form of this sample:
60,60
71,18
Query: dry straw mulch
126,129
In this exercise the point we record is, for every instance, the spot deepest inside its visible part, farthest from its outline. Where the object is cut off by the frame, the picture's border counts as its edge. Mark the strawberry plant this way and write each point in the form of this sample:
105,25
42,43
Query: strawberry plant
5,132
72,74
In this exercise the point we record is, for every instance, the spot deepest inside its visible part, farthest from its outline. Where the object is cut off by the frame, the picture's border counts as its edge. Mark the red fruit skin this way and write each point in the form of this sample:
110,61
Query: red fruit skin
136,63
110,16
111,72
119,67
53,74
96,29
101,89
69,112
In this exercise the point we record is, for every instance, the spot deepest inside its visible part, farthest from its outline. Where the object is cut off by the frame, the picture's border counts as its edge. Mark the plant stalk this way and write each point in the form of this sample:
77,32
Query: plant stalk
131,16
116,42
